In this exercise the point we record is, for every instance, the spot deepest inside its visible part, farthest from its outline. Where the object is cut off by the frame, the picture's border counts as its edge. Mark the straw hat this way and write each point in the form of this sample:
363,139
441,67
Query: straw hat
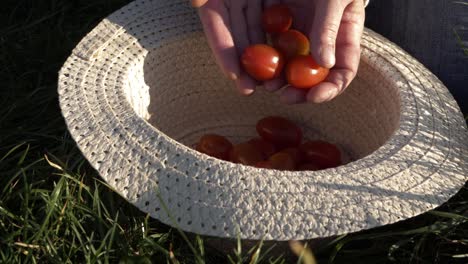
142,87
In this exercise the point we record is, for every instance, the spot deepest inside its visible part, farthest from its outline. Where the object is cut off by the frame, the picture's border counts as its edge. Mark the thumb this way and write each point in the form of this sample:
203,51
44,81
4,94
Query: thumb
327,20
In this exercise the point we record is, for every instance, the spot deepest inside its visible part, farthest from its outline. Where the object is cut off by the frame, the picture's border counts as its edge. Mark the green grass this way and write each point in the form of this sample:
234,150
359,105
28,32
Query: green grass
462,45
55,209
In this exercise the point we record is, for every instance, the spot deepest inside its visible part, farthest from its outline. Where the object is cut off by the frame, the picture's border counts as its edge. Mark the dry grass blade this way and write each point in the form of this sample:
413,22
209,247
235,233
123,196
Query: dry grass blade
304,253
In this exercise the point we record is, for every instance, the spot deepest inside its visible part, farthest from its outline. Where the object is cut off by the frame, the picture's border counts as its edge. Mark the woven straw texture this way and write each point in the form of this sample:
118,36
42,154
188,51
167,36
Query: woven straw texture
142,87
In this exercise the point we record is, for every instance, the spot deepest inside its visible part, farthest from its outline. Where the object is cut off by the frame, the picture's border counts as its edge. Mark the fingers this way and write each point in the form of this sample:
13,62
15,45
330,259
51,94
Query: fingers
348,43
275,84
348,53
346,38
334,84
237,12
198,3
325,91
254,22
292,95
215,19
326,23
239,24
305,12
245,85
227,42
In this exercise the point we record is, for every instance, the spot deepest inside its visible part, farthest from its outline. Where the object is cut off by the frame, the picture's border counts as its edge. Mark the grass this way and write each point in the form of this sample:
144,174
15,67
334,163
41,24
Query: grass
460,42
55,209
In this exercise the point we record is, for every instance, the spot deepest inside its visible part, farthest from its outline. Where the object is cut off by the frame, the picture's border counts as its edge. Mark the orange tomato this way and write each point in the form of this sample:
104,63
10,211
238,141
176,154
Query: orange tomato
295,153
264,164
282,161
266,148
214,145
245,153
280,131
291,43
262,62
323,154
303,72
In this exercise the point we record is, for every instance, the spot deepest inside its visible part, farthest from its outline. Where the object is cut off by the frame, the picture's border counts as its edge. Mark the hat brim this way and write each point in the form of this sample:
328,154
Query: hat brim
217,198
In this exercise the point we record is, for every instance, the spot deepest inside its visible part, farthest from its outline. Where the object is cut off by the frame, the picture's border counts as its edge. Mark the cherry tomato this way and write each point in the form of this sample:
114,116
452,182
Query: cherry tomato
308,167
291,43
295,153
277,18
262,62
214,145
264,164
323,154
282,161
266,148
246,154
279,131
303,72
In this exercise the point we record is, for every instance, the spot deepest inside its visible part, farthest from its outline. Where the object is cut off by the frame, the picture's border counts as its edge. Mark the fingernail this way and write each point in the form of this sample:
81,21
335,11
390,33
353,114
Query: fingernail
247,92
327,54
232,76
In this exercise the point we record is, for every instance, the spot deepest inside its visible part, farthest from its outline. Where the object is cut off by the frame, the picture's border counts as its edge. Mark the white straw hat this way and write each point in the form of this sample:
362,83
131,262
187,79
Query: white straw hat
142,87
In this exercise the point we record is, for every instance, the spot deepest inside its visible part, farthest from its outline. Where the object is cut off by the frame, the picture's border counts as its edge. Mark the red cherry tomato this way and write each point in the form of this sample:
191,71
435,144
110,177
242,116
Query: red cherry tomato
303,72
266,148
291,43
323,154
262,62
282,161
308,167
295,153
276,18
214,145
246,154
264,164
279,131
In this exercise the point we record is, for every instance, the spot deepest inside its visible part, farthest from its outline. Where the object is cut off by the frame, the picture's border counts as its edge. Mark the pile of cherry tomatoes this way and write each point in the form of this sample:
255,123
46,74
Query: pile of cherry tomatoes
279,146
289,47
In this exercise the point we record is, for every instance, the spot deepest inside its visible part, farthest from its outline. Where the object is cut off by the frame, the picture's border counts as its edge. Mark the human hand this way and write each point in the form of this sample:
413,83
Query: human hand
334,28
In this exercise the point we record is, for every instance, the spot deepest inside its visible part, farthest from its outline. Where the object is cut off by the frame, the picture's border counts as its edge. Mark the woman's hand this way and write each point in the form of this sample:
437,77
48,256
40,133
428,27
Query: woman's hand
334,28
